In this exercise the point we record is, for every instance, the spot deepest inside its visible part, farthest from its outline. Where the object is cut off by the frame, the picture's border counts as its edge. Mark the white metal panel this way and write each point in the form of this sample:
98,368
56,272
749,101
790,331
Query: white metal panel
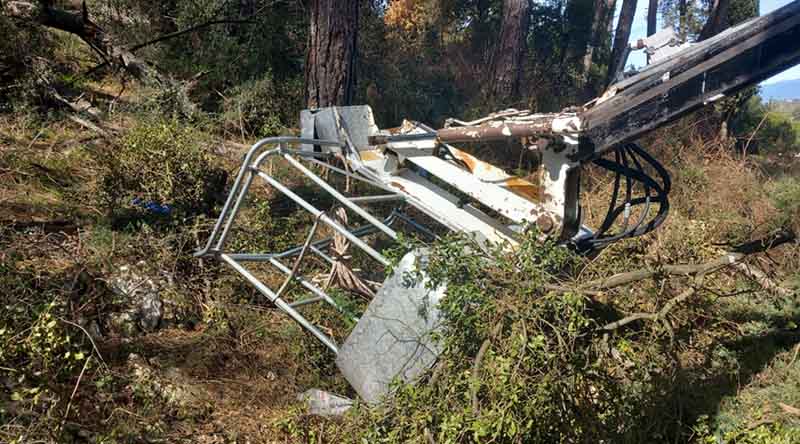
498,198
444,207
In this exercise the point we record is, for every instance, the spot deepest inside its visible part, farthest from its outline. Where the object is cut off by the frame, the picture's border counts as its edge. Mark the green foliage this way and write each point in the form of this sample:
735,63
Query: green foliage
262,108
543,375
268,38
23,52
164,162
759,129
786,195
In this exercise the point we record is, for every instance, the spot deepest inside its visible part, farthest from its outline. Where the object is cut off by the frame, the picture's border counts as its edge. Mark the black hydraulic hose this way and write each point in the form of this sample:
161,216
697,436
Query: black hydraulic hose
655,192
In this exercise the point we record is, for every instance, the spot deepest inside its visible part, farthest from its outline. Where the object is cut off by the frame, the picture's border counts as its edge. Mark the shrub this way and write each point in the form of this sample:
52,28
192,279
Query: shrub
543,375
24,51
162,166
786,195
260,108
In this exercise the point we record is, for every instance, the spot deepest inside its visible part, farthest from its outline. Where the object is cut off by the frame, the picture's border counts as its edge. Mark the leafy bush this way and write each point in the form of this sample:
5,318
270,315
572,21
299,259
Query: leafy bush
521,363
786,195
23,52
261,108
162,166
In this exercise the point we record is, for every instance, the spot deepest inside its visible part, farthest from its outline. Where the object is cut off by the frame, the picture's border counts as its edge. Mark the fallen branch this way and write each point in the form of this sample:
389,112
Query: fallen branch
763,280
660,314
620,279
731,258
89,125
79,24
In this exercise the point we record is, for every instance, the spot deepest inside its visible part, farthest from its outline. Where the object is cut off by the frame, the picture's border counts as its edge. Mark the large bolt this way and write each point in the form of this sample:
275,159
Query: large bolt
545,224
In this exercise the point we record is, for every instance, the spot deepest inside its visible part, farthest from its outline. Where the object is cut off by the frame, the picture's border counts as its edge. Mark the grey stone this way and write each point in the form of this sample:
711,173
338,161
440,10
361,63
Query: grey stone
142,296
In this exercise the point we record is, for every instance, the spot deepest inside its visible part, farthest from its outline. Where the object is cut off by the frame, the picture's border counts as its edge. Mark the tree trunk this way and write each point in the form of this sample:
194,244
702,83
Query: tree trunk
683,20
717,19
603,13
620,52
331,54
652,17
510,51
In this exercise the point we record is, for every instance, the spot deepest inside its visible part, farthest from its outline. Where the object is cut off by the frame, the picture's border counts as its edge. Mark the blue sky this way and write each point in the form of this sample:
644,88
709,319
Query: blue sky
639,30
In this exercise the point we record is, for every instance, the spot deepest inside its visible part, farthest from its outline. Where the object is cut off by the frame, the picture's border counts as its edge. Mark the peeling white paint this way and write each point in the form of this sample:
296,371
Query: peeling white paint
569,124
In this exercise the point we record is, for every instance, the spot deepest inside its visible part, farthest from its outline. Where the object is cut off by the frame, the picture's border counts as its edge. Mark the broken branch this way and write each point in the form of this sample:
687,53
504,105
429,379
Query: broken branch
733,257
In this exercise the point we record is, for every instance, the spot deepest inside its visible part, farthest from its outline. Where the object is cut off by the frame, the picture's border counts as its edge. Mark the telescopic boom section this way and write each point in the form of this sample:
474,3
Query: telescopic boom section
705,72
694,77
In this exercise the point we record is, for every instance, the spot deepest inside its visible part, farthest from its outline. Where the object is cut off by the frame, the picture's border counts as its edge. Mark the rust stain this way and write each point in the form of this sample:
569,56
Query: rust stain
524,189
402,188
467,159
369,155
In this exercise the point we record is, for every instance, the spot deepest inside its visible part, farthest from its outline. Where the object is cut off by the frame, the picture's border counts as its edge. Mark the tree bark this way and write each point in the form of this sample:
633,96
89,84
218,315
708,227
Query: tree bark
717,19
603,13
652,17
683,20
621,37
331,56
510,51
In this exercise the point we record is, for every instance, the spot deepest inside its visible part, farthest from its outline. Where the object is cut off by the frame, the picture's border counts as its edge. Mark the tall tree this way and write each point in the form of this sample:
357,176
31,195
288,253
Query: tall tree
510,51
717,19
603,13
620,50
652,17
683,20
331,55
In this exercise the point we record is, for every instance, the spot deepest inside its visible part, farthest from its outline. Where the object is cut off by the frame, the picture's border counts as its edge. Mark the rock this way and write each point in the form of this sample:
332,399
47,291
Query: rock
168,385
142,295
124,324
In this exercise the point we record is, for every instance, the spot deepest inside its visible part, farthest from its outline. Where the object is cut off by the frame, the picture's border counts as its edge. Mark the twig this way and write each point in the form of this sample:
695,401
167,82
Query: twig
686,294
794,357
750,139
476,366
300,256
35,138
74,390
171,35
763,280
96,350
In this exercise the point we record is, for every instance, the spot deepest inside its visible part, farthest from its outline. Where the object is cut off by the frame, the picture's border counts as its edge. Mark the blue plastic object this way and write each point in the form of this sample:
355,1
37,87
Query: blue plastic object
153,207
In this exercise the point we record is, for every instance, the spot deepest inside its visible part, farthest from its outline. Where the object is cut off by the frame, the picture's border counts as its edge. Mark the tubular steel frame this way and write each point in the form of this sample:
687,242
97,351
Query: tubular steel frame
251,168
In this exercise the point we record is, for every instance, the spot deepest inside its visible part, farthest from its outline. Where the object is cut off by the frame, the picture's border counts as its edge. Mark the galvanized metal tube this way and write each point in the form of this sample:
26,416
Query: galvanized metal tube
250,153
308,285
306,302
324,218
234,212
281,304
324,185
351,175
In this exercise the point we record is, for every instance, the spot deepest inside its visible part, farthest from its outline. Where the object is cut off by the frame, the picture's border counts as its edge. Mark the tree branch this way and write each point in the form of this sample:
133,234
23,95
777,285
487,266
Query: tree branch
181,32
660,314
731,258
